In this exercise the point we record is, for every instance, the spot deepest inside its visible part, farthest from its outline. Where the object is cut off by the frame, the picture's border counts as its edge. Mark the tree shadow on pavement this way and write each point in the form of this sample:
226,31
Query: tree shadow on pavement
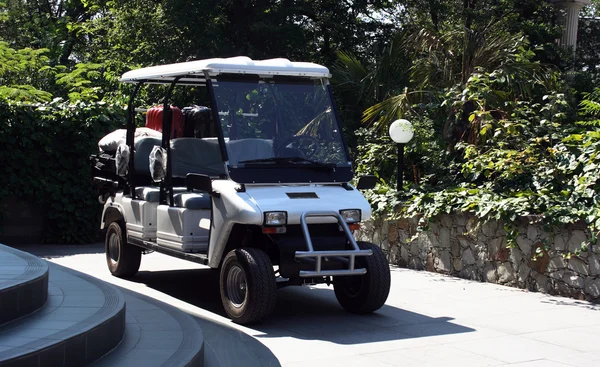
310,313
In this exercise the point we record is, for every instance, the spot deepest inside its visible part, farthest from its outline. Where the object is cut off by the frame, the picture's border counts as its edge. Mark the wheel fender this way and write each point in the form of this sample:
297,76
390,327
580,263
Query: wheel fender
112,212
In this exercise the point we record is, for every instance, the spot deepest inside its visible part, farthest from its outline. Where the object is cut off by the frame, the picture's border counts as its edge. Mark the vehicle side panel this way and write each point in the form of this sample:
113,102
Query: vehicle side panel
230,208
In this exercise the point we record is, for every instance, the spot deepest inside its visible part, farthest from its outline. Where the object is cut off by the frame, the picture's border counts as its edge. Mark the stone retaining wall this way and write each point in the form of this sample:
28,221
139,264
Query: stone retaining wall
462,246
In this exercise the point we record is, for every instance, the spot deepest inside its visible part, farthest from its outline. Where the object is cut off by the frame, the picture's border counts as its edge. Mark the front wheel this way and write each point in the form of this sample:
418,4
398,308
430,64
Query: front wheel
123,259
247,285
365,293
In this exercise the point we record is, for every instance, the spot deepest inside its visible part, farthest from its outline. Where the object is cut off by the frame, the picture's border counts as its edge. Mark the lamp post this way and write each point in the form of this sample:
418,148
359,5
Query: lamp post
401,132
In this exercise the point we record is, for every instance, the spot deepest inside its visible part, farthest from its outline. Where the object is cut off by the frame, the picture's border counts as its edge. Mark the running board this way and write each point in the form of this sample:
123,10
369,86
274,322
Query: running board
190,256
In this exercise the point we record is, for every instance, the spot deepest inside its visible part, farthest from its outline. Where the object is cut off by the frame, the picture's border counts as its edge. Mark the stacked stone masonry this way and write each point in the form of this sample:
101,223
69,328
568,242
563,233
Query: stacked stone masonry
461,245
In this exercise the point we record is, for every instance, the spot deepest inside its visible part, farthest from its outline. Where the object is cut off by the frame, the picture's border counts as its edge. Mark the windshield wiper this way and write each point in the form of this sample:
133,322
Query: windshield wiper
284,160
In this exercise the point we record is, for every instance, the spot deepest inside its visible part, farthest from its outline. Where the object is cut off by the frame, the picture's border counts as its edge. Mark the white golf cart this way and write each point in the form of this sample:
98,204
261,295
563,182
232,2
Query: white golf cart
255,185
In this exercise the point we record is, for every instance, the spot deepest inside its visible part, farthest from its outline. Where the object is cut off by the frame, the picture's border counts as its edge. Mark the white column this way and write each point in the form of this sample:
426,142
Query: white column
570,20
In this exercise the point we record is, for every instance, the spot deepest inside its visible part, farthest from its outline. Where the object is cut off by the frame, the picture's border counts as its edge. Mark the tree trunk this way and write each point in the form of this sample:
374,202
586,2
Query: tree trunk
468,6
434,13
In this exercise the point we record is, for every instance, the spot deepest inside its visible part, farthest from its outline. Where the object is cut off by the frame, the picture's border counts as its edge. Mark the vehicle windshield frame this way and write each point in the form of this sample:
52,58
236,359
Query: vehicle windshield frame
307,172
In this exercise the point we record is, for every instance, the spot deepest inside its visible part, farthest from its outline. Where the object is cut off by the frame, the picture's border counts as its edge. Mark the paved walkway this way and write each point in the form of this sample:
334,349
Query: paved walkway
429,320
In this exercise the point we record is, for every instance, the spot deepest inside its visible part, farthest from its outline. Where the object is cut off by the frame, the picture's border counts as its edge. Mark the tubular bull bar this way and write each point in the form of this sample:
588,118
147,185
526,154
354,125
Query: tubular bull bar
346,256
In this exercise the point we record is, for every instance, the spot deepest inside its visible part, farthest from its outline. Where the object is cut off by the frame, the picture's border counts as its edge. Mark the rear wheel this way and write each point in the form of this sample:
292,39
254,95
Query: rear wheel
123,259
365,293
247,285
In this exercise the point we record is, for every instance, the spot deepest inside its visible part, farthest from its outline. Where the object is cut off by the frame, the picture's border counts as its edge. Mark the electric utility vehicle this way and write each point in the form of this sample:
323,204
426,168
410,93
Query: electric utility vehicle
255,184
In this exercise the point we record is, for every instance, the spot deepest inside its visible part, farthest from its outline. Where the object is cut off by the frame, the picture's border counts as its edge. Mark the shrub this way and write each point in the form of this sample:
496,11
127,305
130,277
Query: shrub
45,153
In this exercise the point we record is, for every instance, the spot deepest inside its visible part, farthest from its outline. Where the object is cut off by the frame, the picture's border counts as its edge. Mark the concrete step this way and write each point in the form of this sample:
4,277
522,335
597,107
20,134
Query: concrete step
82,320
23,284
156,334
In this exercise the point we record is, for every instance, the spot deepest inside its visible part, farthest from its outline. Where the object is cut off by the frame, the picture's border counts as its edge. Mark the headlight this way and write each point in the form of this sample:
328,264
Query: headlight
351,215
275,218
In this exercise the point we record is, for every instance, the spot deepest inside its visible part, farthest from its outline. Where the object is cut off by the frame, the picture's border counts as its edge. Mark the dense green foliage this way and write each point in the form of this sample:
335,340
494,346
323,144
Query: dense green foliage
75,50
506,121
47,162
500,129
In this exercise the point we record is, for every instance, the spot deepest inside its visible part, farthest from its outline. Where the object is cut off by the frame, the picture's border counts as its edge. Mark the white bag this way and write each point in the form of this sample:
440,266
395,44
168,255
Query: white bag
158,163
122,160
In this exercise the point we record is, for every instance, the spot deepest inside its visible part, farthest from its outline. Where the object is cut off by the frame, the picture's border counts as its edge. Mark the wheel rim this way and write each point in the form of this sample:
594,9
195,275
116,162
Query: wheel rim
237,288
353,285
113,247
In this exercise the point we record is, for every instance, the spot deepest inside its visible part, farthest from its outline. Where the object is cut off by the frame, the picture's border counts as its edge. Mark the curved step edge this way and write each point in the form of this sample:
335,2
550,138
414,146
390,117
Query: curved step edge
151,328
21,292
82,343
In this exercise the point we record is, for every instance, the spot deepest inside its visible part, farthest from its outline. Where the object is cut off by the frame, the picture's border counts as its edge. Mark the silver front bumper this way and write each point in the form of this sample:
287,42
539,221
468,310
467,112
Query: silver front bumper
347,256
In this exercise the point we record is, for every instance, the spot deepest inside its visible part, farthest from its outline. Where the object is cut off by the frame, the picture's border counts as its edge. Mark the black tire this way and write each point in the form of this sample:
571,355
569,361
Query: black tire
365,293
122,258
255,298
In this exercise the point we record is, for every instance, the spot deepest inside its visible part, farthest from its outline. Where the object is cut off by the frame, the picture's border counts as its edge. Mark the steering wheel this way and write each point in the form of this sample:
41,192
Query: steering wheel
305,144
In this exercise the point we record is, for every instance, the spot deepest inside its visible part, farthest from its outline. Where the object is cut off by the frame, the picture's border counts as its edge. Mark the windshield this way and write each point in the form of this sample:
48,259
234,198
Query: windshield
273,123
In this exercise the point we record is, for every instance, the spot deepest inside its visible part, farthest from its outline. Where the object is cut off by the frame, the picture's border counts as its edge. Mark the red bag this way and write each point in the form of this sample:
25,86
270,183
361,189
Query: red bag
154,120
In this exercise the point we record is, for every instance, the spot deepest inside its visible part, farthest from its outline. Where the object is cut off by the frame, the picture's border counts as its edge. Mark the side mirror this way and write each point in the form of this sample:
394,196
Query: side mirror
195,181
367,182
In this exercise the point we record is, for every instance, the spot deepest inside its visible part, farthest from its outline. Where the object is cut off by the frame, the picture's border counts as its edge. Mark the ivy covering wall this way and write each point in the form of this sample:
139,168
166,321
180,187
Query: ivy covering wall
44,155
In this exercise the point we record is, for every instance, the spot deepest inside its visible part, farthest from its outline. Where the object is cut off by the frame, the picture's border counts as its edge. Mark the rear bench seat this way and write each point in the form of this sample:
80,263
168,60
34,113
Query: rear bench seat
151,194
192,201
188,155
181,198
192,155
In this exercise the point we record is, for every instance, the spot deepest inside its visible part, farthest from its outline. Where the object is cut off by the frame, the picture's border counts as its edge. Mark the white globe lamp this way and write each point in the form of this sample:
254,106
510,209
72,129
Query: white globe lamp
401,132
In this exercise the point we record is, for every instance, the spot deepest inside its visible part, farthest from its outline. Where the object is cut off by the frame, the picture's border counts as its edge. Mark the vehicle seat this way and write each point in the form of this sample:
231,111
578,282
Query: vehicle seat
143,147
191,155
150,194
192,201
248,149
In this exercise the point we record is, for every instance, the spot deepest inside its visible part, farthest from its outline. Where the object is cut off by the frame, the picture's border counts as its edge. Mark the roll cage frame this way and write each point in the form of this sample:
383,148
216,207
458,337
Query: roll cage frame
166,185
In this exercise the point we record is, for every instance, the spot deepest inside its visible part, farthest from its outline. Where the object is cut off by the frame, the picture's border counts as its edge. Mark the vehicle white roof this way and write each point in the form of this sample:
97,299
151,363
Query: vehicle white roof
194,70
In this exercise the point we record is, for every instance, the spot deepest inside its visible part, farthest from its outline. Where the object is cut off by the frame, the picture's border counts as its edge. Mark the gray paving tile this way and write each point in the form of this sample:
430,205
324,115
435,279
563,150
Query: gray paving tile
578,339
447,332
136,305
160,326
363,342
348,361
54,324
145,316
16,341
541,363
163,335
579,359
28,332
435,356
64,315
145,357
11,352
55,300
166,344
512,349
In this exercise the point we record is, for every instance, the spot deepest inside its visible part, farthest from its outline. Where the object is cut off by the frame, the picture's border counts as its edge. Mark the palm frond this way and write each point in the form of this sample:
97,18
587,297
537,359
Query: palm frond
384,113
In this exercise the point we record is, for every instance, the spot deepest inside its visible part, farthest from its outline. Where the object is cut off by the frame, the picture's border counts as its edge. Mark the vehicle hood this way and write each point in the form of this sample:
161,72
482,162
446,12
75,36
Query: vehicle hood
297,199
